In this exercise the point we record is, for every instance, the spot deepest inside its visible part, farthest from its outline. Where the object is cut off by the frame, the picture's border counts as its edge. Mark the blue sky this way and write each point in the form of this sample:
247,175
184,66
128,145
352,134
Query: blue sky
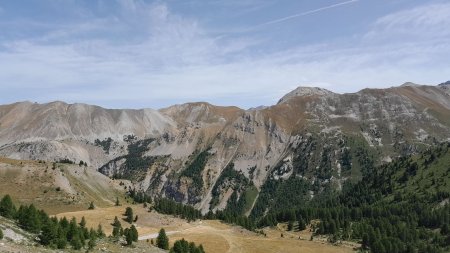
134,54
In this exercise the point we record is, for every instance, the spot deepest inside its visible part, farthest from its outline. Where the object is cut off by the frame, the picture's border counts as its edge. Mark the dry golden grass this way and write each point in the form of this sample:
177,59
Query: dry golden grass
217,237
67,187
213,235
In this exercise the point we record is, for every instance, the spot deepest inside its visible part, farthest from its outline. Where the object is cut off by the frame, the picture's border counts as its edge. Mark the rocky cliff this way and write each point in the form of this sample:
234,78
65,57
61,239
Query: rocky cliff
214,157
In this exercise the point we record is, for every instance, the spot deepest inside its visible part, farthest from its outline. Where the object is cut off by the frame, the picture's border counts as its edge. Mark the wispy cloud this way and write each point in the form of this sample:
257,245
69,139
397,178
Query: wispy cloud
301,14
170,58
422,22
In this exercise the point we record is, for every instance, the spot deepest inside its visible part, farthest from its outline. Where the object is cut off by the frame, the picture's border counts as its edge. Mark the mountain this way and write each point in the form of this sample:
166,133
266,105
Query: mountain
215,157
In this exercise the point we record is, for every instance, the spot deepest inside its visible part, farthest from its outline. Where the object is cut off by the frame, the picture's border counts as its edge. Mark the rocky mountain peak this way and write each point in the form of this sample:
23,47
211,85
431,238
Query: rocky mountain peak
410,84
305,92
444,84
199,153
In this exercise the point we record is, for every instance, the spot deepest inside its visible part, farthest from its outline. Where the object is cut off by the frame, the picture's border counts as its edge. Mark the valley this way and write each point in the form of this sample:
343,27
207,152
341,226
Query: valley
214,235
359,171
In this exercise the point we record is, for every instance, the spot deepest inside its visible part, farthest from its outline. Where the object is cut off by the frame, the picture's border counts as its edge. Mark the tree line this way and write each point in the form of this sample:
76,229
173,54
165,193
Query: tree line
52,232
391,210
388,211
179,246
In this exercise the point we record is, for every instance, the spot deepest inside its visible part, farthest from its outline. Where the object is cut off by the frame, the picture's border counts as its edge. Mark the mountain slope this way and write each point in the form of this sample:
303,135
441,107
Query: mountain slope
211,156
56,187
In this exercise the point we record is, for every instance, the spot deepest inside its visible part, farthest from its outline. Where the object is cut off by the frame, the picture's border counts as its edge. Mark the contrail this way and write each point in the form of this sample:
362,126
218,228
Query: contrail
307,13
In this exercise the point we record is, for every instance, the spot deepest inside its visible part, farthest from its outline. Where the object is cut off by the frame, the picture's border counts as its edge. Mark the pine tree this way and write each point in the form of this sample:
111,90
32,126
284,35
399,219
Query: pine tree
321,229
91,206
134,233
100,233
200,248
48,234
83,222
76,243
91,244
333,228
116,232
378,247
162,241
1,234
116,222
7,208
301,224
290,225
72,231
131,235
61,241
64,223
129,214
29,219
92,234
117,201
445,229
183,246
128,236
117,228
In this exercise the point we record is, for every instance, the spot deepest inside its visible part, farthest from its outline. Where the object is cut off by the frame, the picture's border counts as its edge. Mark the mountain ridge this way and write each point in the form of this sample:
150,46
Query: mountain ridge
324,137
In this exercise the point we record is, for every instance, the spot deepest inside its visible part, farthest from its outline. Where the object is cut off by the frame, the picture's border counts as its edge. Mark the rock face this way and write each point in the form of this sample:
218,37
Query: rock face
211,156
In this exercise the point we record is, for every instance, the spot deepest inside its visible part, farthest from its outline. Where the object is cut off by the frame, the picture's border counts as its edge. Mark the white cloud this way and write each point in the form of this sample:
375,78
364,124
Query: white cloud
174,60
425,21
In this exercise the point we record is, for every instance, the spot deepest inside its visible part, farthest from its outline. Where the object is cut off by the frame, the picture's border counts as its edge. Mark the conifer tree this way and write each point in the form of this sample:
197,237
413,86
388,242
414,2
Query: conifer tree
129,214
134,233
61,241
116,232
116,222
301,224
91,244
290,225
7,208
72,231
100,233
131,235
83,222
162,241
29,219
76,243
92,234
128,238
48,233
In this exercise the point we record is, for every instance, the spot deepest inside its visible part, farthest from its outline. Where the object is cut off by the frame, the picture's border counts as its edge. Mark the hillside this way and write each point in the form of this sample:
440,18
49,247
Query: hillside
18,240
403,206
326,178
209,156
56,187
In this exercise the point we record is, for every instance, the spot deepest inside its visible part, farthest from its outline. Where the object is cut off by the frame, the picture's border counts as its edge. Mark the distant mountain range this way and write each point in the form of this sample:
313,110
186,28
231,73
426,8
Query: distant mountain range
209,156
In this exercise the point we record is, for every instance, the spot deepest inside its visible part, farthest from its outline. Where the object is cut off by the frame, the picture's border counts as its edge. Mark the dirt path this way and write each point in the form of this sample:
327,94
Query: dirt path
215,236
154,235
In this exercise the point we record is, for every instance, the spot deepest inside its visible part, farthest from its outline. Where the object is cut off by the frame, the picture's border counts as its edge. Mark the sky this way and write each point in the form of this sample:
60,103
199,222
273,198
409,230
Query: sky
247,53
